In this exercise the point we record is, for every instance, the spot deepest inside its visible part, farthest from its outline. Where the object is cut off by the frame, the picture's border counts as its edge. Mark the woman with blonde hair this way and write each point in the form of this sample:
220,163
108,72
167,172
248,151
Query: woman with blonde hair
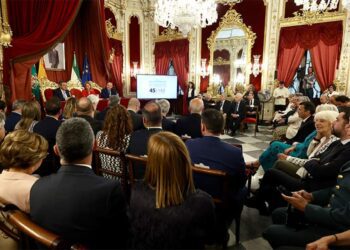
30,116
114,135
166,209
21,154
70,108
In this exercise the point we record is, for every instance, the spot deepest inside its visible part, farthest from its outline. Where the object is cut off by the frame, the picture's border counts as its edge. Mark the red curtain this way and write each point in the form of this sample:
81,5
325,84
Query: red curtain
135,47
224,54
223,71
178,52
117,65
325,37
33,36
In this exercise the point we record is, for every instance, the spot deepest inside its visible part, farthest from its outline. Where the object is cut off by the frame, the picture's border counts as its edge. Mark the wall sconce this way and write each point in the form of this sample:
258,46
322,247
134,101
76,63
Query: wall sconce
256,67
216,79
204,71
134,70
239,78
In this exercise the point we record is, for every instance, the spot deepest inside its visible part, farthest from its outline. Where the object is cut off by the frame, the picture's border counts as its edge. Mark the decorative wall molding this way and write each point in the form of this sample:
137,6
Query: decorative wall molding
309,18
221,61
169,35
112,31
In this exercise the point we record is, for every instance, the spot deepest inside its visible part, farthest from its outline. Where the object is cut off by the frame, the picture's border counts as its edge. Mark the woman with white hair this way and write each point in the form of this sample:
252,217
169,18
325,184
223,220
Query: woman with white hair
323,123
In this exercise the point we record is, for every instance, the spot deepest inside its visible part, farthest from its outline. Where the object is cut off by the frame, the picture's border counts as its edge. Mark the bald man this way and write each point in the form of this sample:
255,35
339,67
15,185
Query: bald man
133,108
191,124
152,120
85,110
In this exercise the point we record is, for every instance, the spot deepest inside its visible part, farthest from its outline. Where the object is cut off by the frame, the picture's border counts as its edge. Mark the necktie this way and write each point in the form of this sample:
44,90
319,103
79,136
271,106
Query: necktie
237,107
109,92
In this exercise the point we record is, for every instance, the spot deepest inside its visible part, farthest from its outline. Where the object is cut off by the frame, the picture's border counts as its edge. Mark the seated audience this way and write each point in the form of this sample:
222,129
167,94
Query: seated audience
133,109
333,240
319,219
13,118
342,101
85,110
324,99
191,125
108,91
88,90
70,108
62,92
114,135
30,116
21,153
167,124
252,108
208,102
278,114
237,113
113,101
152,120
224,106
251,89
331,90
166,209
216,154
48,127
75,203
321,170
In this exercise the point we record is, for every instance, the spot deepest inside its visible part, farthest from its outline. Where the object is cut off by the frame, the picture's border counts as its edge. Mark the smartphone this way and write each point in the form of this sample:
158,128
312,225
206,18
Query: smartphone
284,191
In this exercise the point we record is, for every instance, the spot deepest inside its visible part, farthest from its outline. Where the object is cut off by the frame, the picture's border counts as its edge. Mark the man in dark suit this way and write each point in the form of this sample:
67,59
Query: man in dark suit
152,120
237,113
216,154
113,100
305,111
75,203
62,92
167,124
48,127
13,118
133,109
108,91
85,110
322,170
191,125
224,106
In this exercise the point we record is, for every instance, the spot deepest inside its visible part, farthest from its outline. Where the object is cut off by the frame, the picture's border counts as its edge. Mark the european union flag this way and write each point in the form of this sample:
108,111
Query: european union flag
86,71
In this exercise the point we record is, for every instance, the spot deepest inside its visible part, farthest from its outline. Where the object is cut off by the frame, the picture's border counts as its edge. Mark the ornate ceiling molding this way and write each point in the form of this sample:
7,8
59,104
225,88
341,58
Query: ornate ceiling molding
170,35
309,18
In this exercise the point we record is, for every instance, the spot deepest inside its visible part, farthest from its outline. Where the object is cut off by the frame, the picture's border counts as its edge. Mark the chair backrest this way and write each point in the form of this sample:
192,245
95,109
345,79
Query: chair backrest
135,163
76,92
46,88
97,91
219,183
26,227
99,170
250,119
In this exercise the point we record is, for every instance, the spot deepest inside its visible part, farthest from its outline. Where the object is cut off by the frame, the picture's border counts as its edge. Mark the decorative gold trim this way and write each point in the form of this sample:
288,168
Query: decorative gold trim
341,86
74,85
228,2
221,61
232,18
169,34
309,18
95,86
112,31
46,84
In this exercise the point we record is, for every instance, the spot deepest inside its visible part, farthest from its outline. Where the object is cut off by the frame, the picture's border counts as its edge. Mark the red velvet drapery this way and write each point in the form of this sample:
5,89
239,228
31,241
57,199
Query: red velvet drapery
325,37
33,35
135,47
178,52
117,65
223,71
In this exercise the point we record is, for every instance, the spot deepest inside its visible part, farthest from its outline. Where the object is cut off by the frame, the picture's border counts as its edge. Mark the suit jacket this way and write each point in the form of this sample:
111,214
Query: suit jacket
105,94
137,122
11,121
168,125
48,128
216,154
336,214
95,124
241,109
324,168
57,92
226,109
81,207
138,146
102,115
190,125
305,129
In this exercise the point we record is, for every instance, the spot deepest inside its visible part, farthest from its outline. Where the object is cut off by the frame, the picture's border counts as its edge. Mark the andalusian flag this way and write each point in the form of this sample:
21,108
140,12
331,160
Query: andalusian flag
42,72
75,75
35,84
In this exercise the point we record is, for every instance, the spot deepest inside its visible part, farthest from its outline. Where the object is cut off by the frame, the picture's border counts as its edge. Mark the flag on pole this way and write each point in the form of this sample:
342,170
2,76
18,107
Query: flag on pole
86,71
42,72
75,75
35,84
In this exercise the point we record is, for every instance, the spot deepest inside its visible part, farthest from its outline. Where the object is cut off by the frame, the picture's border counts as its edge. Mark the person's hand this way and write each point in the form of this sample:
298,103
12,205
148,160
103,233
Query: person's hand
296,201
320,244
306,195
282,156
289,150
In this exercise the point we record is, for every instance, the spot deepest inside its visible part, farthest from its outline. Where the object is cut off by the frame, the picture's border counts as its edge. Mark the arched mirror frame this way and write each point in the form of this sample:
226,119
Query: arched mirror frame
231,19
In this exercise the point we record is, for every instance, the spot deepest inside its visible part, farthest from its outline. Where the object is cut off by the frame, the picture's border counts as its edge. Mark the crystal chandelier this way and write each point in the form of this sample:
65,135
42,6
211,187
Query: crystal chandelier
317,5
185,14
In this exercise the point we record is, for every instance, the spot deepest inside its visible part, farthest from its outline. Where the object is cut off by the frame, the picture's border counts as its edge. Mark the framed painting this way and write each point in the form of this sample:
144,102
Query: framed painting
55,58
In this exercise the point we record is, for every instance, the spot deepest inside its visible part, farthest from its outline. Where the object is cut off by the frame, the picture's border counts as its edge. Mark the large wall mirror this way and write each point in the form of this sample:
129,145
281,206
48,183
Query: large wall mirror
230,52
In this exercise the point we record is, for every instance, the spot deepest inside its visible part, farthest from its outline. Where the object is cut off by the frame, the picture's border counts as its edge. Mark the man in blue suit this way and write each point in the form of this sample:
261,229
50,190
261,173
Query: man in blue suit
13,118
216,154
108,91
